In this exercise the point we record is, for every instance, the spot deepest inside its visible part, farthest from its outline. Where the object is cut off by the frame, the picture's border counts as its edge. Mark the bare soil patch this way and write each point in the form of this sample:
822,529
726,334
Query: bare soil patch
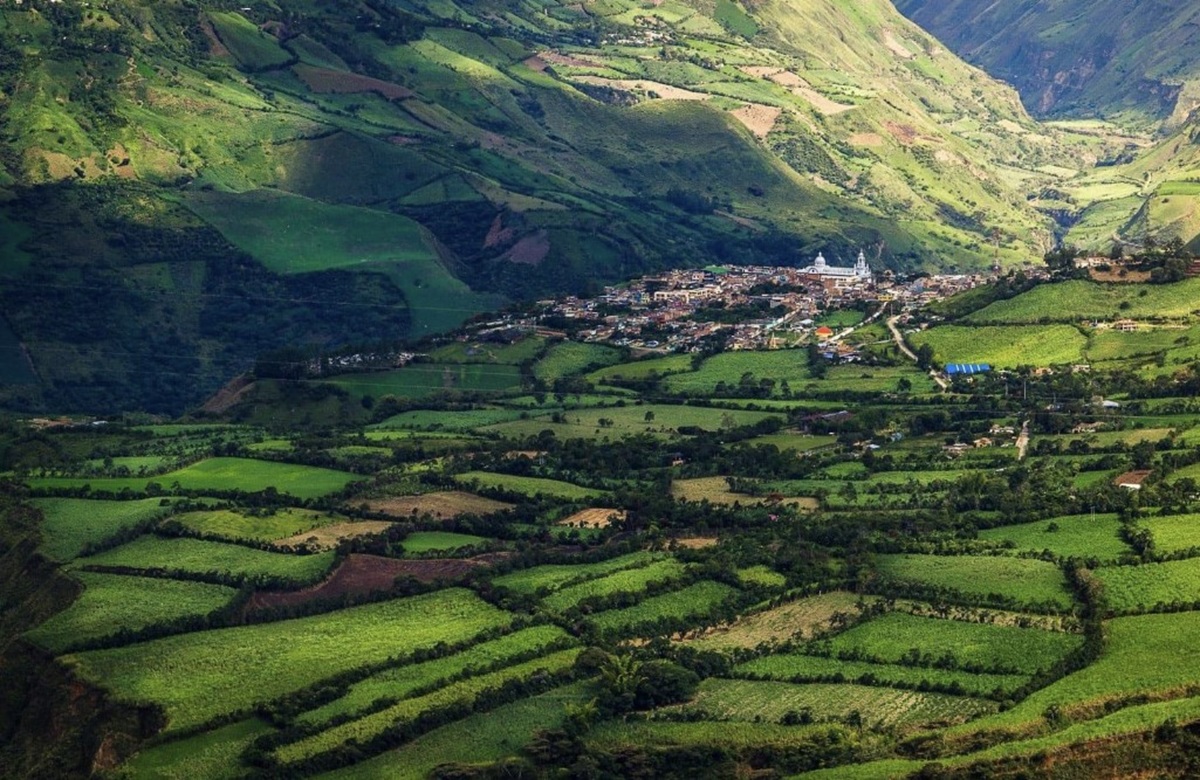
800,617
360,575
759,119
649,88
536,63
695,542
530,250
1115,276
866,139
446,504
596,517
895,46
327,537
905,134
323,80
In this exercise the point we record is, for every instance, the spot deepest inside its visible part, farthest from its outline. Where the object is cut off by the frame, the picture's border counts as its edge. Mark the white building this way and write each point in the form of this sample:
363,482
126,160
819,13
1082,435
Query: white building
840,275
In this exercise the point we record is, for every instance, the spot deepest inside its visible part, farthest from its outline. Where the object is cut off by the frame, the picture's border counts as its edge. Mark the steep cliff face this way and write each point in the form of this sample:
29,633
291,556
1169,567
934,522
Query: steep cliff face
51,725
1075,58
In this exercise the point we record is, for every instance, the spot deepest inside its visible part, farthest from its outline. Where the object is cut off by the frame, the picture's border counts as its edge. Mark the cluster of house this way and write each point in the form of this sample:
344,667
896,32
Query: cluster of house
659,312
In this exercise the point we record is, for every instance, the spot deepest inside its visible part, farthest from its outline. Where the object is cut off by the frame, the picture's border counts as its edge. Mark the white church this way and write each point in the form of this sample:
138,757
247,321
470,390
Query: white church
839,276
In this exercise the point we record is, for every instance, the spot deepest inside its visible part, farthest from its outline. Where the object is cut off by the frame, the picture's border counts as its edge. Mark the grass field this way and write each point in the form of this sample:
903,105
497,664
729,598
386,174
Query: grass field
794,442
201,676
624,581
234,525
1174,533
614,422
518,352
419,380
186,556
464,691
458,420
1075,301
1082,536
1001,580
641,369
111,603
897,636
691,602
485,736
797,667
210,754
554,576
529,486
400,682
572,357
70,524
1004,346
220,474
753,700
1138,588
439,541
799,617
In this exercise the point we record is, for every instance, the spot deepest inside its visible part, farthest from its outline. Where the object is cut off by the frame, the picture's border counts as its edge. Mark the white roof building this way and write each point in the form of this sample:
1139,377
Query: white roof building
821,268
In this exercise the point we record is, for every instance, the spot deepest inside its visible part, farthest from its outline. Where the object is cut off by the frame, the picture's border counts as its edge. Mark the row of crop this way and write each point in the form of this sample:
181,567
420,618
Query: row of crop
352,741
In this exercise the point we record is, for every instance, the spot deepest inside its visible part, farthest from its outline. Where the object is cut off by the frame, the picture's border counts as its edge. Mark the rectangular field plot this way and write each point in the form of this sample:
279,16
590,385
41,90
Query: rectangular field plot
419,380
371,726
1004,346
571,357
485,736
1142,655
439,541
554,576
996,580
691,602
796,667
924,641
1175,533
113,602
211,754
402,681
220,474
201,676
437,420
529,486
234,525
70,524
186,556
1143,587
795,619
747,700
1081,536
627,581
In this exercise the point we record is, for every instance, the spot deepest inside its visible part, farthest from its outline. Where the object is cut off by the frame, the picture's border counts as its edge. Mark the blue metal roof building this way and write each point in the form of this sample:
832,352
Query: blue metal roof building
967,369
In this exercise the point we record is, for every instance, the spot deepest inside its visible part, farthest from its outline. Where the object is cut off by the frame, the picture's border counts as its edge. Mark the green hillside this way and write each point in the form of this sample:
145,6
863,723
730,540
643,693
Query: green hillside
1106,58
314,174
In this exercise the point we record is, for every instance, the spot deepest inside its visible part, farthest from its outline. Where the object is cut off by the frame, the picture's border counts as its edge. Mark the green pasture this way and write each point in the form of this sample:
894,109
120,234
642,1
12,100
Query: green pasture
70,524
1173,533
198,677
420,380
111,603
572,357
221,474
529,486
521,351
479,738
456,420
641,369
617,421
926,641
1004,346
214,755
798,667
999,580
1079,536
757,701
1076,301
464,692
237,525
1143,587
691,602
625,581
402,681
439,541
187,557
551,577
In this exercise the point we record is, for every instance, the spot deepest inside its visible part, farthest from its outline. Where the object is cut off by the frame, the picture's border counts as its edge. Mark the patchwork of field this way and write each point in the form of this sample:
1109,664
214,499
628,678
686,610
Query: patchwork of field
232,669
1000,581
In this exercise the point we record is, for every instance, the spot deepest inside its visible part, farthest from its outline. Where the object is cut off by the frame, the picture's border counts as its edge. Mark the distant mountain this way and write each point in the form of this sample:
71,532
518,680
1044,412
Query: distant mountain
1106,58
190,185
